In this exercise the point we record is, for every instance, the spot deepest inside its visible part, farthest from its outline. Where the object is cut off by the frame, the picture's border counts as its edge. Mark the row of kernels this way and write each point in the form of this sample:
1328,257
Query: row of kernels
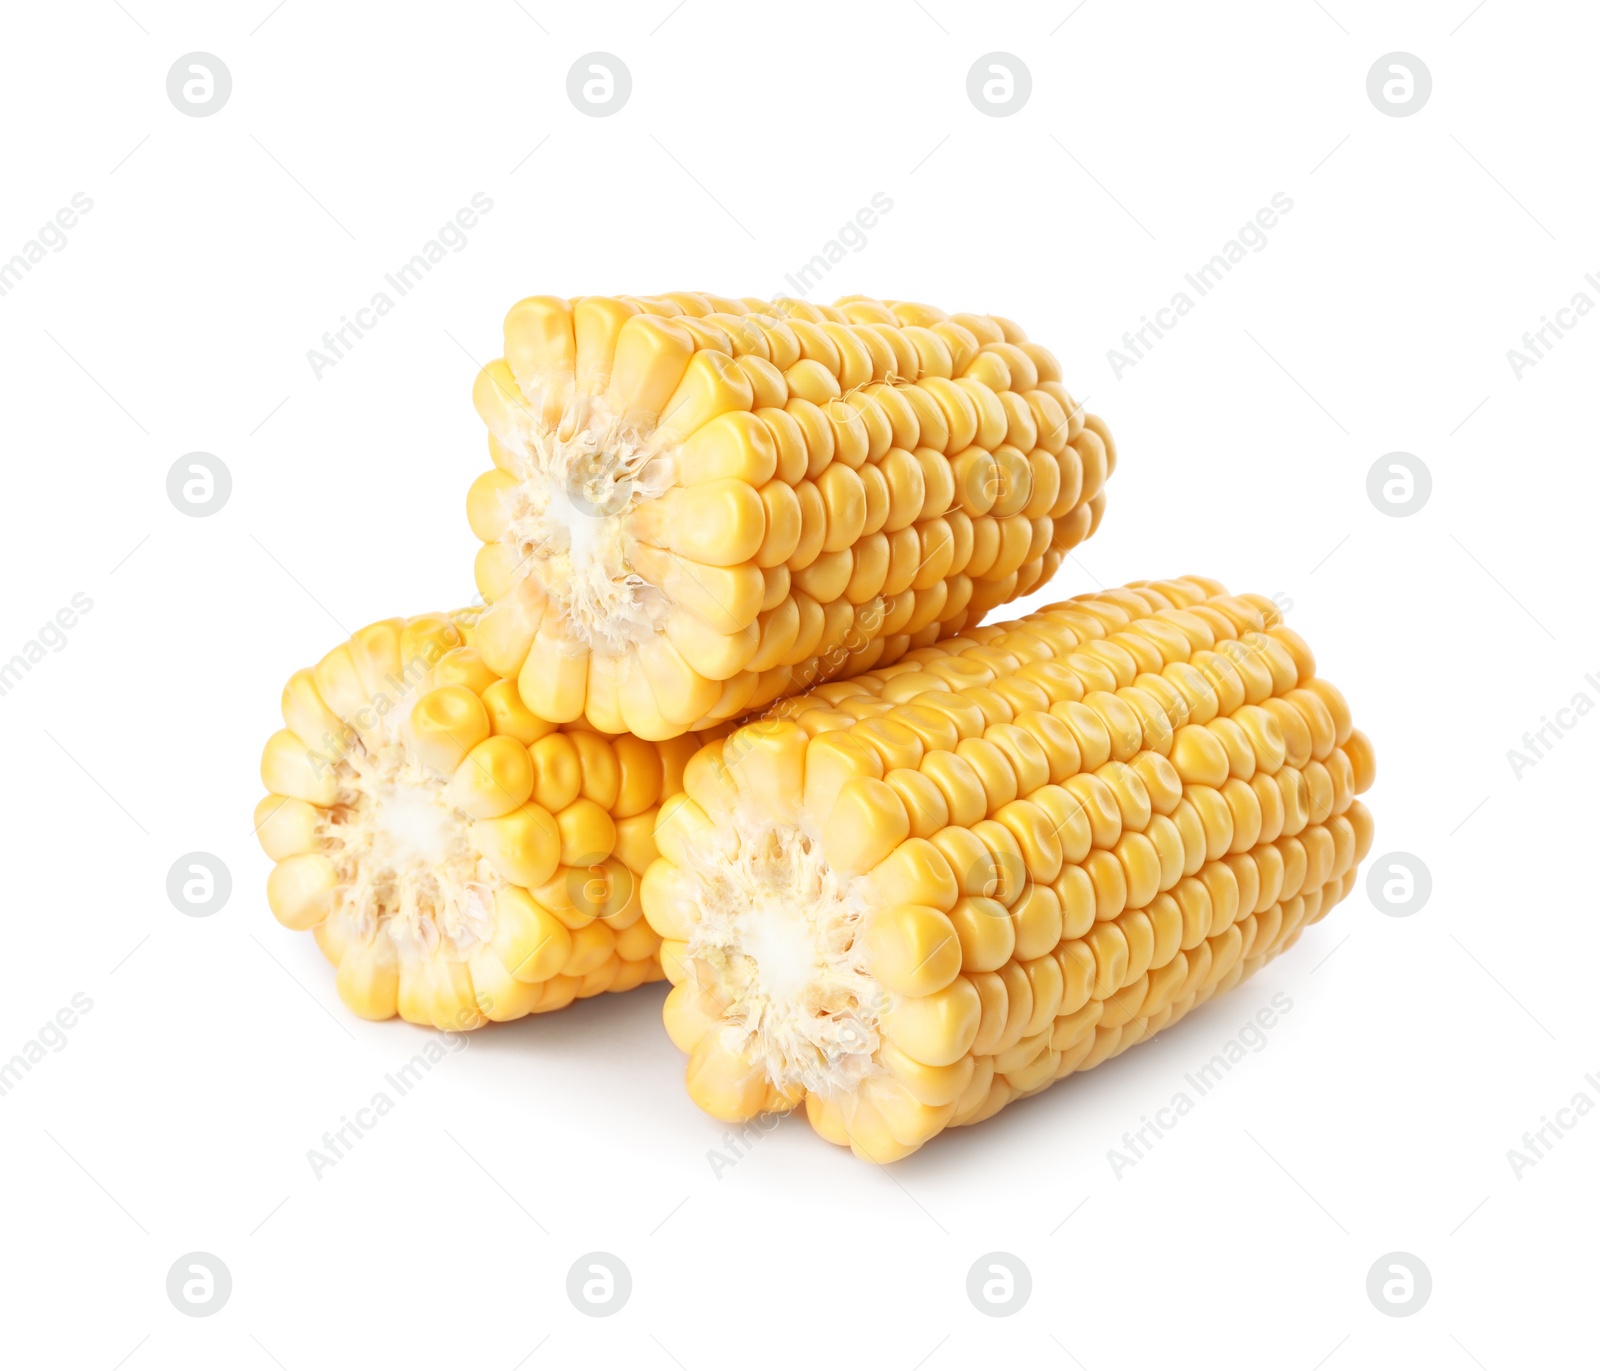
1113,954
1170,989
1230,750
783,331
1263,933
813,423
986,931
1116,935
802,640
817,503
798,527
943,548
996,904
1087,1038
1295,728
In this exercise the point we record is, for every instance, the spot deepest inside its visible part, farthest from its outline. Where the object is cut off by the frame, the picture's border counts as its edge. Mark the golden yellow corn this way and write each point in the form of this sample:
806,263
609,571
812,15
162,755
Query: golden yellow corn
912,897
457,858
699,504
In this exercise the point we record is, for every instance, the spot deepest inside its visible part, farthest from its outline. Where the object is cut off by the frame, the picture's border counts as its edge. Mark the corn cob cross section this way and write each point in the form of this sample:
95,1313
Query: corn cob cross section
699,504
457,858
946,884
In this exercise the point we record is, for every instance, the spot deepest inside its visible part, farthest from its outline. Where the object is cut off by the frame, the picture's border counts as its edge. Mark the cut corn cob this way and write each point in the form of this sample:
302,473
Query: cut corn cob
457,859
699,504
917,895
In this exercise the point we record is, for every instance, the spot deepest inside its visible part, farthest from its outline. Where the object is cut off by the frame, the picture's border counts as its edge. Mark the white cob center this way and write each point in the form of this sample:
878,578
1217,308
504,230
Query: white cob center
779,928
568,522
406,866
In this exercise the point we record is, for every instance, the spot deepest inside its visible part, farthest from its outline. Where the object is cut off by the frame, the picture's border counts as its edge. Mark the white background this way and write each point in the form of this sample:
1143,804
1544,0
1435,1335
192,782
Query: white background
177,318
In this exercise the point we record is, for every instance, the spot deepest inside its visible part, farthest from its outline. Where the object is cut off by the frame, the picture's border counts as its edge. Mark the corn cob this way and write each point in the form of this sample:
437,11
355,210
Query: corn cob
457,859
699,504
917,895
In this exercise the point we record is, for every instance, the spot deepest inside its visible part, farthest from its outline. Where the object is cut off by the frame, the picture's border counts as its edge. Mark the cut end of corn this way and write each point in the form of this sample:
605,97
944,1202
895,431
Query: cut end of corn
778,926
699,504
457,858
908,899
